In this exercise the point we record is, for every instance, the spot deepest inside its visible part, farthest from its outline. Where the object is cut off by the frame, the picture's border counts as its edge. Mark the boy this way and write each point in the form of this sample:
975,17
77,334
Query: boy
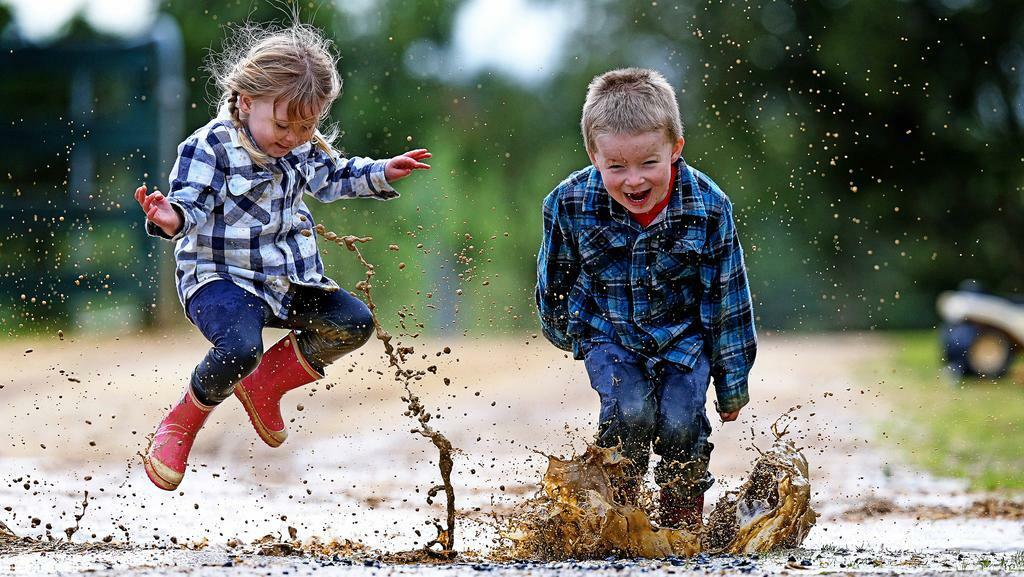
640,274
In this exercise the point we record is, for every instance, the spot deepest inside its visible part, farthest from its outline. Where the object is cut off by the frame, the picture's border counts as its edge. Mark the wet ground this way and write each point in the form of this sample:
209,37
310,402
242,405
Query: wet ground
76,412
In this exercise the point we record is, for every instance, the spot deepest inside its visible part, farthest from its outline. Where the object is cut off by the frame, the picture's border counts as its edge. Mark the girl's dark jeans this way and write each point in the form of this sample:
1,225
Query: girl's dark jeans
647,401
327,324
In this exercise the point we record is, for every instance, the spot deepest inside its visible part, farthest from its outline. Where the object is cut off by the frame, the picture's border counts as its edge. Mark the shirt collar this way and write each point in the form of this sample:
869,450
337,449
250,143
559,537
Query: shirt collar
686,198
233,132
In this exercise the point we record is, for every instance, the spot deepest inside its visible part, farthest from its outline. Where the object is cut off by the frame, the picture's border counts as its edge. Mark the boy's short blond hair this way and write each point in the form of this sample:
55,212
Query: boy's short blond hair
630,101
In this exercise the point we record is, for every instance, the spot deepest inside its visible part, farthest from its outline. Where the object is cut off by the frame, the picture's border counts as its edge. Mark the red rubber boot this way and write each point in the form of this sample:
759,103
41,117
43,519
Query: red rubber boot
282,369
168,452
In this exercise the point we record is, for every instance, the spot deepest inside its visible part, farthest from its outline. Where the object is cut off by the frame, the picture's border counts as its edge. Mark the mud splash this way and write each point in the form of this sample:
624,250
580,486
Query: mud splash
6,535
275,546
443,545
583,514
12,544
771,510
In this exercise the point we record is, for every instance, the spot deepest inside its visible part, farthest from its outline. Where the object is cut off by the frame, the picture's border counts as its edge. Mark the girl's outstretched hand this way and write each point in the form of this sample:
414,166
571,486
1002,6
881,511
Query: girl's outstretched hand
159,210
402,165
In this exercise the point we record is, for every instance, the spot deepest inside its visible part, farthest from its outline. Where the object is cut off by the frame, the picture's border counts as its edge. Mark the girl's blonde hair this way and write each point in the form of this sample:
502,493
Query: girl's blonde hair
630,101
293,64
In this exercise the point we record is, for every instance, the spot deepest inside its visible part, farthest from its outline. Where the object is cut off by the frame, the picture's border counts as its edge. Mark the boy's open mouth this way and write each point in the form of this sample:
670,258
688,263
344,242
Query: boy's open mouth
639,197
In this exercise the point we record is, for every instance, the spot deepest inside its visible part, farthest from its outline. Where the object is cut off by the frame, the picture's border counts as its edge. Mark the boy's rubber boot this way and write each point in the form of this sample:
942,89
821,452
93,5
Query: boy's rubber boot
679,513
167,456
281,369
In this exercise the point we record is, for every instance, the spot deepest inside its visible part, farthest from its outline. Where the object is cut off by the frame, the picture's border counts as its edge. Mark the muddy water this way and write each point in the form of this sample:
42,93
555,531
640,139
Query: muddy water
771,510
583,512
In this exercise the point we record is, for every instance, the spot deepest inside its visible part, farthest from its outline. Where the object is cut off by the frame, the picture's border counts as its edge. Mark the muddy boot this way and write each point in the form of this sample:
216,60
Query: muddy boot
282,369
168,453
680,513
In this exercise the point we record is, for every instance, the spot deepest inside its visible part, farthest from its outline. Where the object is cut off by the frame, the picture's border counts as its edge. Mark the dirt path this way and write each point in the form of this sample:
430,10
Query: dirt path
76,412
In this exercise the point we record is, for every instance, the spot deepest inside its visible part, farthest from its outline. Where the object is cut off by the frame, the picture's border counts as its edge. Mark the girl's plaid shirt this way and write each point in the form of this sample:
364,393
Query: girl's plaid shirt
665,291
244,223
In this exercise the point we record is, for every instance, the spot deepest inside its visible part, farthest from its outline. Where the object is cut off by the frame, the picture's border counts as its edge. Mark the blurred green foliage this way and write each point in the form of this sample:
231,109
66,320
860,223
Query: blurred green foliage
873,149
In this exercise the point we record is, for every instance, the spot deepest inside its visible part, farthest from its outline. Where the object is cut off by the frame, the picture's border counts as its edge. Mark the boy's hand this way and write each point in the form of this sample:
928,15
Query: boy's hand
159,210
402,165
726,417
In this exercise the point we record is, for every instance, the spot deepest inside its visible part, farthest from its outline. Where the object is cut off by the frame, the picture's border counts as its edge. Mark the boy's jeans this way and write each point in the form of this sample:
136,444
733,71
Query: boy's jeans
328,325
647,401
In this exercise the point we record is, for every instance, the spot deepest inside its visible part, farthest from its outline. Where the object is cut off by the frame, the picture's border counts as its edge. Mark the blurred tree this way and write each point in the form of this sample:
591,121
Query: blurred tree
872,149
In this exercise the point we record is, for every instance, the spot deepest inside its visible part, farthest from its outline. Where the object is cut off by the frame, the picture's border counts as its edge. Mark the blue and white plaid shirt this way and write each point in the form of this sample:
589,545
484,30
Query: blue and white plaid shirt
244,223
665,291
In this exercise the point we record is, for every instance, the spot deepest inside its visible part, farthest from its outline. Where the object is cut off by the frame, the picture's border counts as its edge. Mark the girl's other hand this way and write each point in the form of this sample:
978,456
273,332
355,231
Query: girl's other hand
159,210
402,165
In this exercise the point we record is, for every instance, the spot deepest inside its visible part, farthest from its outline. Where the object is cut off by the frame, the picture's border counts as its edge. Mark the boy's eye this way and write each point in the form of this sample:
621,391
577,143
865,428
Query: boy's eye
651,162
282,126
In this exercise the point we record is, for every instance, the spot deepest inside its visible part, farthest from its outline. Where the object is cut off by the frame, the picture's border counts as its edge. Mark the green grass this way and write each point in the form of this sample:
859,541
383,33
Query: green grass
973,429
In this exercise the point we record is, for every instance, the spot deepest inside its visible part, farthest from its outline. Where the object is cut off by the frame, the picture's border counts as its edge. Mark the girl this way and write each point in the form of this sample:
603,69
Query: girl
246,256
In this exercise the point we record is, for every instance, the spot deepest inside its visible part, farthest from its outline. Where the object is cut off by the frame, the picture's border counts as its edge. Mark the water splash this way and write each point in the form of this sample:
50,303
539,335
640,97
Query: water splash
584,513
771,510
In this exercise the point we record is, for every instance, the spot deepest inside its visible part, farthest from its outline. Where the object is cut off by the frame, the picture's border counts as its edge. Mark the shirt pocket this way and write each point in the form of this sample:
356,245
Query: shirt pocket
678,258
248,200
604,255
675,285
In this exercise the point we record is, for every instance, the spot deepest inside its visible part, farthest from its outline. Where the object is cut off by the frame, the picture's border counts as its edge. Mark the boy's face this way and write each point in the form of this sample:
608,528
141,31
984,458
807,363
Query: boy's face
270,126
636,168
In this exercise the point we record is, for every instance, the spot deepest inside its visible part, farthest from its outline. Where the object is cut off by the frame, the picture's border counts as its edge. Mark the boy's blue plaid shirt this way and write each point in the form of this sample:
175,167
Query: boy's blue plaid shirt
244,223
665,291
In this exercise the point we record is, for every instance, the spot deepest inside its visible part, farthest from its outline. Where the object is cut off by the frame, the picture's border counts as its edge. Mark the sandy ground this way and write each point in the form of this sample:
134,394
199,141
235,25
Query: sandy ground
76,412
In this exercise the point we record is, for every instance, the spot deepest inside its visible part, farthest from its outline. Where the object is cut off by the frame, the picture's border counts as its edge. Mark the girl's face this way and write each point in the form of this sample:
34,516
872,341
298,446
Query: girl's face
270,126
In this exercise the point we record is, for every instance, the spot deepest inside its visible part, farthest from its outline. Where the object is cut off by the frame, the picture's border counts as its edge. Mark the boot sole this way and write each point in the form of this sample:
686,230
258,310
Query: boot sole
156,478
271,438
